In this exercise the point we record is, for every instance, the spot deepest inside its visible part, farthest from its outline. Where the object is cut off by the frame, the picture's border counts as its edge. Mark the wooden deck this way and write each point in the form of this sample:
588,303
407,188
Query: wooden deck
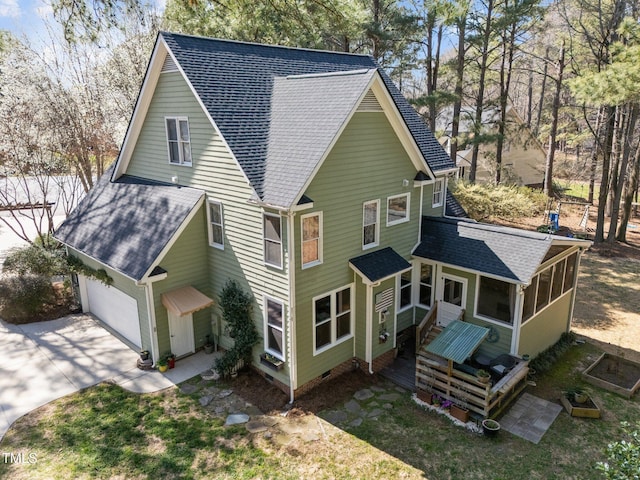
436,375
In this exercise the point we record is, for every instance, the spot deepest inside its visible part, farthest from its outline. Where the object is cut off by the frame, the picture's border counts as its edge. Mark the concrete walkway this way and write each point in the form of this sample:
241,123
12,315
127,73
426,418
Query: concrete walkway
47,360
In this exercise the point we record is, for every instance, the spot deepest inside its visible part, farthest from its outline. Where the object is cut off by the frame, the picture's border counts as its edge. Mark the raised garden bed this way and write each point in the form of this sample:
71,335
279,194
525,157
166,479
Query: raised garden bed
588,409
615,374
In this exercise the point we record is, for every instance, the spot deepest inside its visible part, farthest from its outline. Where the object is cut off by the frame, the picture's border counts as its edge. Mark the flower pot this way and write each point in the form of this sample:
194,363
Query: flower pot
580,397
163,368
144,355
171,362
208,348
460,413
425,396
490,427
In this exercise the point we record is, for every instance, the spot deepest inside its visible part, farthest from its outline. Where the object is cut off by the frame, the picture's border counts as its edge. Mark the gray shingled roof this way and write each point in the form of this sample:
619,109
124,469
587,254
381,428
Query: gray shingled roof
306,115
127,223
235,82
453,207
379,264
495,250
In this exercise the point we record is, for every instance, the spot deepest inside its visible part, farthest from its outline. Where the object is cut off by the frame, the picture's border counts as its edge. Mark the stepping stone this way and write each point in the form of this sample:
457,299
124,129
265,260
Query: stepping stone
356,423
387,406
375,413
189,388
373,404
255,426
401,390
236,419
210,375
389,397
334,417
352,406
220,410
377,389
225,393
206,400
363,394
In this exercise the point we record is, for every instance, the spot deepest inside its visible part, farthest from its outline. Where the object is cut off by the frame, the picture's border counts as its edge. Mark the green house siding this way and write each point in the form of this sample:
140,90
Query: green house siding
215,171
545,328
379,347
125,285
367,163
501,335
186,264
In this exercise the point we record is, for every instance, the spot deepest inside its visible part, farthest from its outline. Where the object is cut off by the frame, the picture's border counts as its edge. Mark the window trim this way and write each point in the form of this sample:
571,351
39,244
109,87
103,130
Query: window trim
210,223
320,239
376,242
399,308
408,211
178,119
266,299
440,193
497,321
334,318
418,284
265,239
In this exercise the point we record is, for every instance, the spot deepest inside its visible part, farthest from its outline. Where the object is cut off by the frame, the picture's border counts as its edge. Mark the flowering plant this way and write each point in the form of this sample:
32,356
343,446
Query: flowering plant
447,404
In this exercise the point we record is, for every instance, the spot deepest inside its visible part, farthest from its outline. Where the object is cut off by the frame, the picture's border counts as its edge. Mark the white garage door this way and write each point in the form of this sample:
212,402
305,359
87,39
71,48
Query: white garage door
115,308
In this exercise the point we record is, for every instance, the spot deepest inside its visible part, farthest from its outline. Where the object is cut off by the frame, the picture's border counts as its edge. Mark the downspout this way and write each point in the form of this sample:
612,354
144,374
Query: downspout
292,306
369,313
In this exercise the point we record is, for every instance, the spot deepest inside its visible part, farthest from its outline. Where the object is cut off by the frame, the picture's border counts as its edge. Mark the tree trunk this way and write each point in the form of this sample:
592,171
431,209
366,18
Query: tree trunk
477,121
604,179
548,169
594,154
457,106
620,174
631,189
505,84
536,130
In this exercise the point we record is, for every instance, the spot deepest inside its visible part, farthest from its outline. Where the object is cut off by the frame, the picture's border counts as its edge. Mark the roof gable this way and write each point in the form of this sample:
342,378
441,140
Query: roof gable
235,83
117,223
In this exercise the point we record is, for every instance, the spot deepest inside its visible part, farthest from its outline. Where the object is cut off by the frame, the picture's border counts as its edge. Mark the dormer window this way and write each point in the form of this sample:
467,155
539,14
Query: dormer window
178,140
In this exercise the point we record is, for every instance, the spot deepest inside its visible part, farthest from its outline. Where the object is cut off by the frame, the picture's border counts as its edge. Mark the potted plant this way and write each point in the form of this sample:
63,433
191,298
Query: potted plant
460,412
208,346
490,427
483,376
162,365
171,360
144,355
580,396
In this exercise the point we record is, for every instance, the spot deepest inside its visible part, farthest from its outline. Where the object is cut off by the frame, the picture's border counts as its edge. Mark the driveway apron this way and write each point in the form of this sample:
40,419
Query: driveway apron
47,360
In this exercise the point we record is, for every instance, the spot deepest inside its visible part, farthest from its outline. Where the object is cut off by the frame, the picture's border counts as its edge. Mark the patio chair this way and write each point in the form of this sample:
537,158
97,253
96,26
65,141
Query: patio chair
502,364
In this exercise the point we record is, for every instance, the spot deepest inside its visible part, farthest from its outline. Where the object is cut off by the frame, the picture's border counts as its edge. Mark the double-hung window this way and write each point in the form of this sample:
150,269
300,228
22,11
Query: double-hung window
370,224
216,225
272,240
273,319
404,289
438,190
311,239
426,284
332,318
178,140
398,209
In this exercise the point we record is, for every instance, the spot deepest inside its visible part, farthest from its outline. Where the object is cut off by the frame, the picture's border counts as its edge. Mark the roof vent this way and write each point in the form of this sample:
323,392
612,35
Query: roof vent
369,103
169,65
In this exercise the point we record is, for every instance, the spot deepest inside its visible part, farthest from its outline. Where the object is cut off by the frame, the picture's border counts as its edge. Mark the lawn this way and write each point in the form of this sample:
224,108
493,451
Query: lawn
105,432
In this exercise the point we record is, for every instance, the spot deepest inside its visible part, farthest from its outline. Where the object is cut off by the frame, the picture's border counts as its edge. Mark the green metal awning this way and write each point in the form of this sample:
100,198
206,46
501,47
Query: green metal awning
458,341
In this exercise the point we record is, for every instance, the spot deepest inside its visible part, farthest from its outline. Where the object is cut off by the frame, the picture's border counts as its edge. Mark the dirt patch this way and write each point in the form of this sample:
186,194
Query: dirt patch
269,399
617,371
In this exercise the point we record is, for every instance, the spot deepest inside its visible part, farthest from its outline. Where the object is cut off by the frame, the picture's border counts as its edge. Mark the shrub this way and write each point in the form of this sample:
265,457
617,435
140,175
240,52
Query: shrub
547,358
237,313
623,456
36,260
23,297
507,202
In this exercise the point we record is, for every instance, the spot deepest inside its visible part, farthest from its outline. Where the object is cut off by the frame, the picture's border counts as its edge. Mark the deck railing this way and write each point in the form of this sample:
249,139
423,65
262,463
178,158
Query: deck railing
433,374
427,322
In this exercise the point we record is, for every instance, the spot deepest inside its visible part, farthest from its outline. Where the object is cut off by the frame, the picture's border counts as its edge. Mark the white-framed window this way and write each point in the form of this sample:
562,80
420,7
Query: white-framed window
496,300
404,291
370,224
272,240
438,193
397,209
216,224
178,140
332,318
311,228
425,285
273,327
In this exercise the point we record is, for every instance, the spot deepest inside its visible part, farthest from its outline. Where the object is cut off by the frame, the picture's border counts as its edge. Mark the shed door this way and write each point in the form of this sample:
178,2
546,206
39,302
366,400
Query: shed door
116,309
452,297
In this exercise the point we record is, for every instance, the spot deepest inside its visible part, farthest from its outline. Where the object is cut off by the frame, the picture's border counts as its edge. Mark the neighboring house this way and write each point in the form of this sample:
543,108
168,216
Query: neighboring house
306,177
523,158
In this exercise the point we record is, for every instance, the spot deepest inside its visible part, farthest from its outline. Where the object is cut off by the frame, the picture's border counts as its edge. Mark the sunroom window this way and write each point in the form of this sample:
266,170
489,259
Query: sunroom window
496,299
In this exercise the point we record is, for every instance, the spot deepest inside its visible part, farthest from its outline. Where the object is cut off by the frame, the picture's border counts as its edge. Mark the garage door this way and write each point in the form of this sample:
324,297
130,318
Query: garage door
115,308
